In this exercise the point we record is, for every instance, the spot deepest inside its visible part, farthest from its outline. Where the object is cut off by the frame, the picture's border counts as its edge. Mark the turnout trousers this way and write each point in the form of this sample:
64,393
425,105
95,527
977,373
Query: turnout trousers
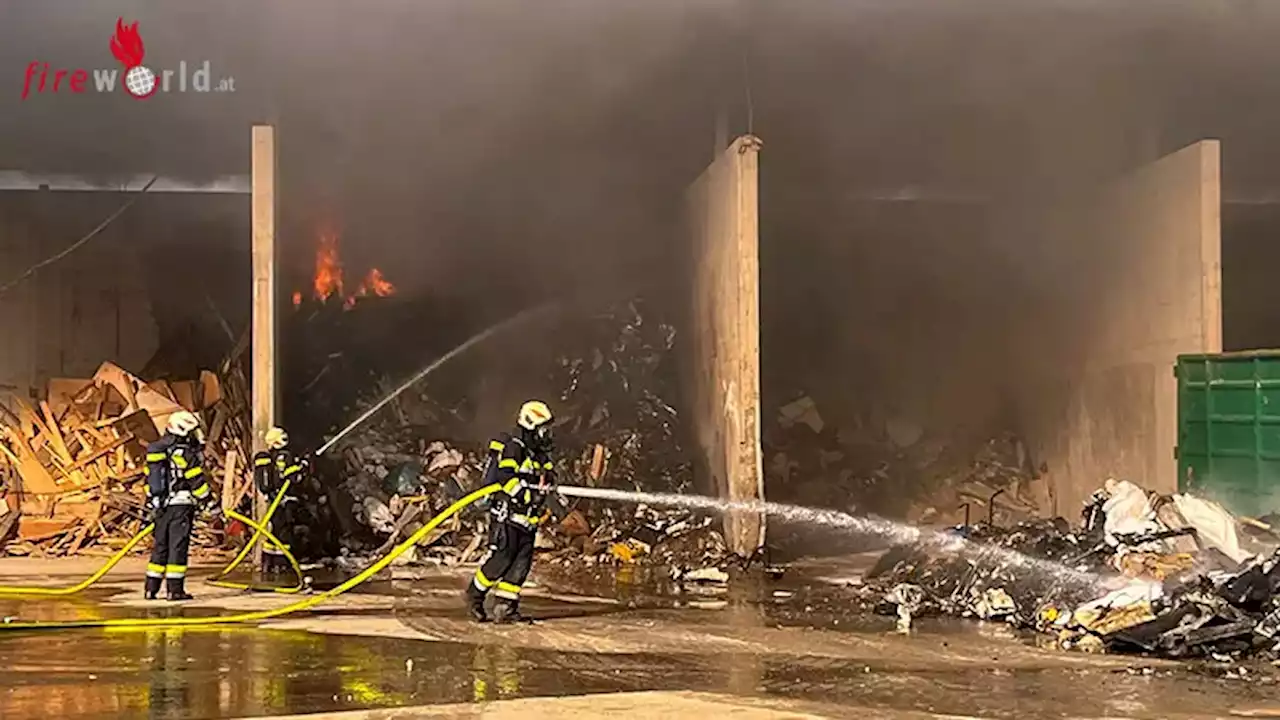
282,526
172,545
507,567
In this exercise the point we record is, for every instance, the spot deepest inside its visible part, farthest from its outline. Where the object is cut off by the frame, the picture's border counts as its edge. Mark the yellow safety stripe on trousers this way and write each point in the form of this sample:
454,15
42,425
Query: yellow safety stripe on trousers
483,582
496,446
175,571
507,591
154,570
292,469
193,473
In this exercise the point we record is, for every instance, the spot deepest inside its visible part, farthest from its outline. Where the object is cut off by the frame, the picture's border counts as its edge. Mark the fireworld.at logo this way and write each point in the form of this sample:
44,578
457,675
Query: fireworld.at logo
138,80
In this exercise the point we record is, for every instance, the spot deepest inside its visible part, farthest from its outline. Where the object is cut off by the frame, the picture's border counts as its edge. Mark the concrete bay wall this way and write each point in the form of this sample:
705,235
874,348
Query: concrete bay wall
1138,283
723,228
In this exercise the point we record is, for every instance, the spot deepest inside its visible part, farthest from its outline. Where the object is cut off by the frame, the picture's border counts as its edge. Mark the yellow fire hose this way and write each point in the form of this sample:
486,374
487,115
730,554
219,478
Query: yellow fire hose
115,560
259,531
261,615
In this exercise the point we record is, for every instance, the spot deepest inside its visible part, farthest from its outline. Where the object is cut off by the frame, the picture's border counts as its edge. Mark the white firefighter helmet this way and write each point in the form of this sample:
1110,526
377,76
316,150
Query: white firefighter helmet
277,438
182,423
533,415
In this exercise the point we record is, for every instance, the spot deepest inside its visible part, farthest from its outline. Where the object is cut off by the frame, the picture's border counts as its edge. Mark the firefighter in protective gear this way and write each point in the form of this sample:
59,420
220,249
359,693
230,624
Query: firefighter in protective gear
520,464
271,469
176,484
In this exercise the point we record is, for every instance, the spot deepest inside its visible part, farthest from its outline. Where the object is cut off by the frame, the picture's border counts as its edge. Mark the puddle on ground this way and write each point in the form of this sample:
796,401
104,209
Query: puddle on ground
243,671
194,673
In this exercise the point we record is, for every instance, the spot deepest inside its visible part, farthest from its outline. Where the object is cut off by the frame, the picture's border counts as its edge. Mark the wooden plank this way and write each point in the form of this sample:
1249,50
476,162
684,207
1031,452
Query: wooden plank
220,415
184,391
100,452
210,389
63,391
31,422
102,399
59,445
229,482
35,478
33,529
55,433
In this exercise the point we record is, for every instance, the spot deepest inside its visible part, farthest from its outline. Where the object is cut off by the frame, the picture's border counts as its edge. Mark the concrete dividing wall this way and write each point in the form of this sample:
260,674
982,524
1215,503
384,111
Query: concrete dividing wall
1139,282
723,226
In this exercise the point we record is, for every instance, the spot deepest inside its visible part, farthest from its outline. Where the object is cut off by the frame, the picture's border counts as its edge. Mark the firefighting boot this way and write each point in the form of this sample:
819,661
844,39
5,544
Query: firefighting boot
271,565
152,588
177,589
506,612
475,604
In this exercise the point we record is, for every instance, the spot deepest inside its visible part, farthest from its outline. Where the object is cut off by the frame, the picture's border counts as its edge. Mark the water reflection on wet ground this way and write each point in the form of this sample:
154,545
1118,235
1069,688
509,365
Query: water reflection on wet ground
243,672
751,643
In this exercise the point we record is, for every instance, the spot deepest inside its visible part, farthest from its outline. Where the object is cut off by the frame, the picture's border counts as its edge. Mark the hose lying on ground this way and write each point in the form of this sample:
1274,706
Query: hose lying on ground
261,615
72,590
259,531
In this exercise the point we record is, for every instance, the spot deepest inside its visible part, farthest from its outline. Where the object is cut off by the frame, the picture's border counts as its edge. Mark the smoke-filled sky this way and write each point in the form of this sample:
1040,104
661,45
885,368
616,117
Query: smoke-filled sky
551,139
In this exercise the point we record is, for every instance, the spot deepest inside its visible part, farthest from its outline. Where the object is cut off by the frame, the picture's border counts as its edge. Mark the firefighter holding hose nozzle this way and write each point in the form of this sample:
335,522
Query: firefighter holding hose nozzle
176,484
271,469
520,465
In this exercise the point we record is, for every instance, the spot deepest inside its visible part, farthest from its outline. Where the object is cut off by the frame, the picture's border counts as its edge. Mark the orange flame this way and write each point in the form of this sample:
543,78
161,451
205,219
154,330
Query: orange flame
328,279
376,284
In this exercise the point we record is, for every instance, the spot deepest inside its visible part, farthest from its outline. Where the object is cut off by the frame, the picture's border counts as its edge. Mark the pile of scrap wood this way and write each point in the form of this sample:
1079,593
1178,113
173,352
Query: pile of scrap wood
74,474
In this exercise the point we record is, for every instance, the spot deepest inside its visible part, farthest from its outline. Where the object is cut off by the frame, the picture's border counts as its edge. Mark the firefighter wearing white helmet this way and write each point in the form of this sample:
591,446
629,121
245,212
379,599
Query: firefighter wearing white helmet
520,465
272,468
176,484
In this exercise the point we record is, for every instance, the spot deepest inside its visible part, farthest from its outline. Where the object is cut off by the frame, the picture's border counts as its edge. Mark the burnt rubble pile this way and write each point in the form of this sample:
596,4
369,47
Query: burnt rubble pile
891,468
618,427
1174,576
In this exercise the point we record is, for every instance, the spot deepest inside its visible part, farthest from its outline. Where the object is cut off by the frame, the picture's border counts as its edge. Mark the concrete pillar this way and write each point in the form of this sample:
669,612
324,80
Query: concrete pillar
264,297
722,210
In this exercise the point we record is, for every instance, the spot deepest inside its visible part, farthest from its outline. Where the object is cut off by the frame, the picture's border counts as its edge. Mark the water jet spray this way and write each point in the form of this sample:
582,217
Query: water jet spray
473,340
898,533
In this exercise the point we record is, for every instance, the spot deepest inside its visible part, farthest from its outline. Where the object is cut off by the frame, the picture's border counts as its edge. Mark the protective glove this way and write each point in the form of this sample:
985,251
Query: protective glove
154,506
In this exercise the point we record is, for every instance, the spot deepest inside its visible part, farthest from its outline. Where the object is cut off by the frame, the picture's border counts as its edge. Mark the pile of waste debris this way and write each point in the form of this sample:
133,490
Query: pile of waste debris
895,468
72,469
616,428
1175,576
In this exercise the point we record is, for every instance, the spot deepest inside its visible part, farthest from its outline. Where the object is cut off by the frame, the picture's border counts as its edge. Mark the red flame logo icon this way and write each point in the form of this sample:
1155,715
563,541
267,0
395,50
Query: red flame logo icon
126,45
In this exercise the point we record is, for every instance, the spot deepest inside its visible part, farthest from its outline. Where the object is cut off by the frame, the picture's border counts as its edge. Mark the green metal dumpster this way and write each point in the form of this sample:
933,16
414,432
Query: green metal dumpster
1229,429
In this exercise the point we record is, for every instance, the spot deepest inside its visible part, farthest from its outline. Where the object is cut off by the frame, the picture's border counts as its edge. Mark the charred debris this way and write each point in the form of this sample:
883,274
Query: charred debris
1175,576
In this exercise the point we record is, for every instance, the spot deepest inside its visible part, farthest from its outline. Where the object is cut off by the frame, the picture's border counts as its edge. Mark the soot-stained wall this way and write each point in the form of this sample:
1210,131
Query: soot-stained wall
1056,316
71,315
1138,282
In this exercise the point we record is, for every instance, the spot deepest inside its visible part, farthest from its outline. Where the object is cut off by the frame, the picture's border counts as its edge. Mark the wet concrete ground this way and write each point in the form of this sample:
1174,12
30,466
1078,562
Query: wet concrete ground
749,653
